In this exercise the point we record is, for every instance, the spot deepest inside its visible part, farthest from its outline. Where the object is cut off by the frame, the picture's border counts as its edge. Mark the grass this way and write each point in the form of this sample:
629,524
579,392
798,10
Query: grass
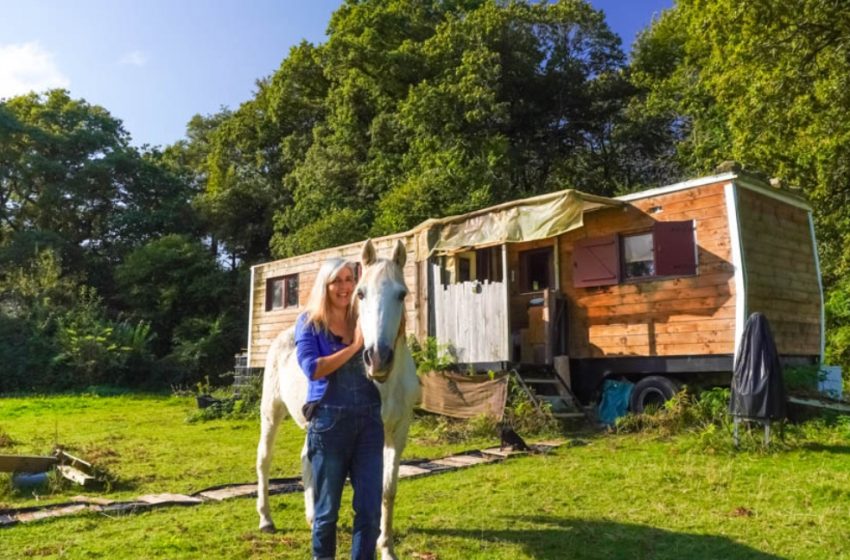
627,496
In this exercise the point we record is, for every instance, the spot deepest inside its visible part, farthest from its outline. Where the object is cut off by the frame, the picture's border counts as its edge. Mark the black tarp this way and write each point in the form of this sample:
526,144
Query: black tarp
758,390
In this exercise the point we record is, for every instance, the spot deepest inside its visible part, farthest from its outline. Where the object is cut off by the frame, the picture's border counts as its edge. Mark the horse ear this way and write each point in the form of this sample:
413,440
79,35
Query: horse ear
400,254
367,255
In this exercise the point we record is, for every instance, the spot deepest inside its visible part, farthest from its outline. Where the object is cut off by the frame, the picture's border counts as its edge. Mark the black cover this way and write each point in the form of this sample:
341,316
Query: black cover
758,390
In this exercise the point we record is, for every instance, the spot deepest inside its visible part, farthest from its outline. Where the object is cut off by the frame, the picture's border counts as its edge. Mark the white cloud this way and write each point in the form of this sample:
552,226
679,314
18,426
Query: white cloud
134,58
26,67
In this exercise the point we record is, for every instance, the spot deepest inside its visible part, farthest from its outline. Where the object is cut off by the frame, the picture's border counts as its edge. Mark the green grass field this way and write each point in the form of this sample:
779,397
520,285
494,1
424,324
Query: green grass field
611,496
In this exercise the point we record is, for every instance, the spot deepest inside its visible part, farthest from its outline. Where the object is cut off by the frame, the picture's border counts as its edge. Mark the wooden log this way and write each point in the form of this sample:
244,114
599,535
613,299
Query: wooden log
26,463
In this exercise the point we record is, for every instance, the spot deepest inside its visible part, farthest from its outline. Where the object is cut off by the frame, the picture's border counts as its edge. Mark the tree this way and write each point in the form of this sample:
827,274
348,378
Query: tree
764,83
174,284
70,179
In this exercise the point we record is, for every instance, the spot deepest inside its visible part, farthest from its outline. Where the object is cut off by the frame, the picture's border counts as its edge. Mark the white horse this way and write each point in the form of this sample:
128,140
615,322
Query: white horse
380,294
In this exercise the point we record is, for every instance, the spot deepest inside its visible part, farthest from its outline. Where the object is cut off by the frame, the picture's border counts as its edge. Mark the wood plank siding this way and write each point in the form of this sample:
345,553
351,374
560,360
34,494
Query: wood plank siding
265,325
660,316
781,271
763,260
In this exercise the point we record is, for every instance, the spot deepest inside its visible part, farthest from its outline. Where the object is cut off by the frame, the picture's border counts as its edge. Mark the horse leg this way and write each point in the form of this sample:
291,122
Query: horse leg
307,481
395,441
270,417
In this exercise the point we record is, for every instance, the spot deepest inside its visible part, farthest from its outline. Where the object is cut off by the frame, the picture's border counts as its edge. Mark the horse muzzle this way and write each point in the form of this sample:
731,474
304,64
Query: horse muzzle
379,362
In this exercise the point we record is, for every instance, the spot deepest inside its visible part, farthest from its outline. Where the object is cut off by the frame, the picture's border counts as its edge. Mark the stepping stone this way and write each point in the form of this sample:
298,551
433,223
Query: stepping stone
406,471
92,500
159,499
459,461
47,513
228,492
499,453
7,520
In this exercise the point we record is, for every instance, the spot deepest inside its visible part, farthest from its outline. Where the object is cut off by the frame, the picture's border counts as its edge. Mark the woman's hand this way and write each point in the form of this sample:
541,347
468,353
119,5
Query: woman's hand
357,341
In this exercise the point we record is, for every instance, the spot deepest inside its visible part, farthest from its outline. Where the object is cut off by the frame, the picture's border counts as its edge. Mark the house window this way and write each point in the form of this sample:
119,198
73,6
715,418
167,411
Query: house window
464,269
488,264
669,249
282,292
535,269
638,256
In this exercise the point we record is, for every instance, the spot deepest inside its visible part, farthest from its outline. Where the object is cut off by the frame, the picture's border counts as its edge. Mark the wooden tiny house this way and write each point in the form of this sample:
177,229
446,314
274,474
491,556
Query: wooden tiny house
652,283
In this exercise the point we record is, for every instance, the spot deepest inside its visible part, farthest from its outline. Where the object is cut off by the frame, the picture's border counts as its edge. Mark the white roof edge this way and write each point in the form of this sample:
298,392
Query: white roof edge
777,194
723,177
739,179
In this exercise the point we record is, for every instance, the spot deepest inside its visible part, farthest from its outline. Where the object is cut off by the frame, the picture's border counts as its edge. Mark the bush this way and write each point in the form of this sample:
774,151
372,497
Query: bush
243,402
431,355
683,412
803,380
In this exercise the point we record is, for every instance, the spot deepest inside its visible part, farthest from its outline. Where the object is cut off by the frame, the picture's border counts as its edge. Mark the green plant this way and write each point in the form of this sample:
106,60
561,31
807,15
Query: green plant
527,416
5,439
231,404
706,412
430,355
803,380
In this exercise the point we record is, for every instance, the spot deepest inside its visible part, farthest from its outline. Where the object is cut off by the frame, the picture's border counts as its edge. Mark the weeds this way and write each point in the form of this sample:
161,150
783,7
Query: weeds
230,404
5,439
526,416
429,355
803,380
683,412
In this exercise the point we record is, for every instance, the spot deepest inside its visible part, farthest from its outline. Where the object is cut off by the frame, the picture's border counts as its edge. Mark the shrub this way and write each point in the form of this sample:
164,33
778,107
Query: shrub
430,355
243,402
683,412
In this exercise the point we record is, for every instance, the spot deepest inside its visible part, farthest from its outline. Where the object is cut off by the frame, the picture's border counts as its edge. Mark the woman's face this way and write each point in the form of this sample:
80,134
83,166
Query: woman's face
341,289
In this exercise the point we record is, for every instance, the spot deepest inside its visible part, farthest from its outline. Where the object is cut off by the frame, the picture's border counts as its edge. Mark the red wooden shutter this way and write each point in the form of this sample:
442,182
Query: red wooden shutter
596,261
675,254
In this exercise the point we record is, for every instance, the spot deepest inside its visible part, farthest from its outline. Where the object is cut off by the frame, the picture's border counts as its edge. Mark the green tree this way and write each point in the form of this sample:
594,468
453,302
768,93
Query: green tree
762,82
174,284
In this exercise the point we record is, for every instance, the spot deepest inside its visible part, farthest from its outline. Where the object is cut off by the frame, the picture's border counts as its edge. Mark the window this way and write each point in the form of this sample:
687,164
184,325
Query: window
638,259
669,249
535,269
488,264
464,269
282,292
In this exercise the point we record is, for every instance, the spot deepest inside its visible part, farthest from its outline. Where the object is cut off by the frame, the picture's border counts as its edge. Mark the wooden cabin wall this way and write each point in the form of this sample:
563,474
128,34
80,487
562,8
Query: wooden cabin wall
781,271
265,325
688,315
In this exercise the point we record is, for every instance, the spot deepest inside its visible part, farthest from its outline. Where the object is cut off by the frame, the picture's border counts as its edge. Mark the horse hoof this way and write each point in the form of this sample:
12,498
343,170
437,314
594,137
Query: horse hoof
268,529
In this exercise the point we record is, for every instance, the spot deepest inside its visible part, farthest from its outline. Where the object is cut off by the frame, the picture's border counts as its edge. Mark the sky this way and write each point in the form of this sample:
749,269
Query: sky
156,63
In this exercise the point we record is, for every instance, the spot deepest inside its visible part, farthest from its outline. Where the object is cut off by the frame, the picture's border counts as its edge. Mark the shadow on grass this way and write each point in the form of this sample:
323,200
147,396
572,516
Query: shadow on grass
558,538
825,448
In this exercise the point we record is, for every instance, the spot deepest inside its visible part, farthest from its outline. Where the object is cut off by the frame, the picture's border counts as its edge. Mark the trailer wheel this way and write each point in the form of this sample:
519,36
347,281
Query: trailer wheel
652,392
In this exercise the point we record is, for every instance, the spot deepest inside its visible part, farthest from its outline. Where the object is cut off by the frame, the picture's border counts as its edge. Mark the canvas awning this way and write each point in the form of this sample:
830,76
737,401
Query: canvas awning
529,219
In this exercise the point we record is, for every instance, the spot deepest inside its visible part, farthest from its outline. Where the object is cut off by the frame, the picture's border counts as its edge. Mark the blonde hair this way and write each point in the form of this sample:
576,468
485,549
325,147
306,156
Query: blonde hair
318,309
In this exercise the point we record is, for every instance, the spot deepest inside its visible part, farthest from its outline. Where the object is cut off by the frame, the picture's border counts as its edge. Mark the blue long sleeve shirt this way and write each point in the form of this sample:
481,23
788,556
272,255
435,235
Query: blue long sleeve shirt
310,345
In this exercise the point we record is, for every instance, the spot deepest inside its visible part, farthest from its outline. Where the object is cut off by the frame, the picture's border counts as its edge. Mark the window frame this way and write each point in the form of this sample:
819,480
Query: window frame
523,258
286,281
624,275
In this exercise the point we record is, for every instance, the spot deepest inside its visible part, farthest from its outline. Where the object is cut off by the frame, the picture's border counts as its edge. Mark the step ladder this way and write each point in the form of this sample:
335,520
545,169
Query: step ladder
543,385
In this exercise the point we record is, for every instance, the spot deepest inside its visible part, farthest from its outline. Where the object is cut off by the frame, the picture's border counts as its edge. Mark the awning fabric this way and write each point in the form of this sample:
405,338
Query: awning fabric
523,220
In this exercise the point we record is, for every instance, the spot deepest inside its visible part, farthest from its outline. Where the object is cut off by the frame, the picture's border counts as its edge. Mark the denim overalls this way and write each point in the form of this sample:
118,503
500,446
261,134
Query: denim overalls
346,438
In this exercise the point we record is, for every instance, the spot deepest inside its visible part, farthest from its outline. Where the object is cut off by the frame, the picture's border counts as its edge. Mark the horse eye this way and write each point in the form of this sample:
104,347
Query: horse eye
402,295
360,294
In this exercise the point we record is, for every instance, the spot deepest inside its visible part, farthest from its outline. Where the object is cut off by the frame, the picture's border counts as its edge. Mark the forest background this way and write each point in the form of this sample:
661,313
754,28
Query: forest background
129,266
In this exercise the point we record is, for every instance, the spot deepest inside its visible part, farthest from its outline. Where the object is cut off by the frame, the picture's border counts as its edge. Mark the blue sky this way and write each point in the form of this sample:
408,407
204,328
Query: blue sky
155,63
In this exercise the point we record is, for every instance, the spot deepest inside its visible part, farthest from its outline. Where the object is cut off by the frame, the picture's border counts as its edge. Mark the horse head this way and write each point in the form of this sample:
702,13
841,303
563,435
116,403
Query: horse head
380,300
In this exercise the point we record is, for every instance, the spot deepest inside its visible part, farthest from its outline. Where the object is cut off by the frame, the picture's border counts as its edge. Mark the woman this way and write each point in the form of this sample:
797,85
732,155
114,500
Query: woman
345,436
